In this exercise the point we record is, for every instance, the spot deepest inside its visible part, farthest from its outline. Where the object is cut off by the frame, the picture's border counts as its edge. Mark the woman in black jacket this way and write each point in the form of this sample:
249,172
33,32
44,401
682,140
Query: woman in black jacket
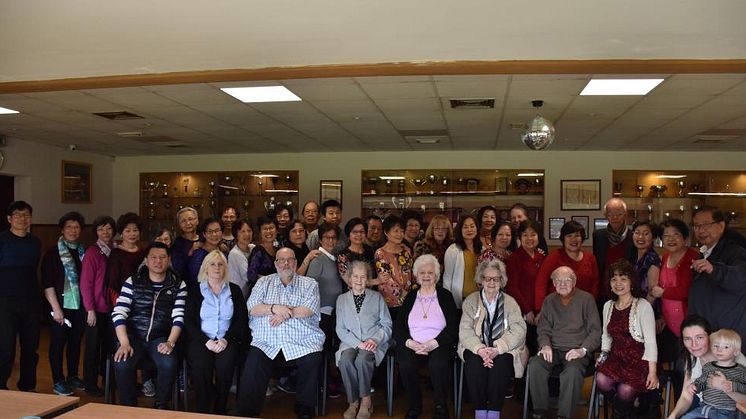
426,330
217,326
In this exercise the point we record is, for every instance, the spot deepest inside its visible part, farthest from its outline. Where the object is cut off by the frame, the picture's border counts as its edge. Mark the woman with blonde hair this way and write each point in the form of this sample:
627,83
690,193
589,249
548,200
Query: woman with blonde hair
438,236
217,324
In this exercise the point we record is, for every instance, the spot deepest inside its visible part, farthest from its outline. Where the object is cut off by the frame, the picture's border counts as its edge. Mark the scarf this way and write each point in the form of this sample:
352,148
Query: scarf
327,254
614,237
71,292
493,326
105,249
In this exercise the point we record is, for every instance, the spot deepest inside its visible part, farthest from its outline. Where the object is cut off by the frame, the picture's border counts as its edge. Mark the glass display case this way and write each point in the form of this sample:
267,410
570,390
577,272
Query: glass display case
659,195
252,193
451,192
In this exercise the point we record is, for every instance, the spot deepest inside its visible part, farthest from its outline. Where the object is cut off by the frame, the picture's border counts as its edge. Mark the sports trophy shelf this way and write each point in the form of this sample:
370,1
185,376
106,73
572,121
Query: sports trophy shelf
252,193
658,195
451,192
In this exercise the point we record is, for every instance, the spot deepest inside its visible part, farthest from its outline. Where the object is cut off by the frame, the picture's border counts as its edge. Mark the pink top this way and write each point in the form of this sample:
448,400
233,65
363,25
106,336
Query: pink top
93,281
675,282
426,320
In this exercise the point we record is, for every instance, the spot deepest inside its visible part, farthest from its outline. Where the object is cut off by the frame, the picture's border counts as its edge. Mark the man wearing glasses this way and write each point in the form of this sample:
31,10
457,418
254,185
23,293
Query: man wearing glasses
612,243
19,297
284,320
718,292
569,330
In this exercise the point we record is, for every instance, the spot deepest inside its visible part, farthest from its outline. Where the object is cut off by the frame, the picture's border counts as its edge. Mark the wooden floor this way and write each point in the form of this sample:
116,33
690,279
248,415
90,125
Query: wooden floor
280,405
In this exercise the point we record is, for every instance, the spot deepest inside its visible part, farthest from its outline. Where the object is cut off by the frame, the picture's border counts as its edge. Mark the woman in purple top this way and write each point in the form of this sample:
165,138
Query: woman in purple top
426,329
262,259
95,301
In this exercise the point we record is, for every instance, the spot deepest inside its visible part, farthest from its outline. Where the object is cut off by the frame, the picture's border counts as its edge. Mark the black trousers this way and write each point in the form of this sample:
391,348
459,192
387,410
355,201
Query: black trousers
255,378
98,346
19,320
203,365
66,339
487,386
438,362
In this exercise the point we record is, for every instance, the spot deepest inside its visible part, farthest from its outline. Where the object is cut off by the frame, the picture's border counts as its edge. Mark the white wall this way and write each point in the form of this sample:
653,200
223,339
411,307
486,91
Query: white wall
314,167
37,170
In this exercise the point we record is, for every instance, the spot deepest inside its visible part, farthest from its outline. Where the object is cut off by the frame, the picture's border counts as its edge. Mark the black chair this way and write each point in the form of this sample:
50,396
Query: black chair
666,378
554,375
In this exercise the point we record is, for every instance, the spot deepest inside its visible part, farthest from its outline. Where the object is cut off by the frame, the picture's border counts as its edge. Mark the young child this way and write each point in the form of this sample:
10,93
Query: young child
725,344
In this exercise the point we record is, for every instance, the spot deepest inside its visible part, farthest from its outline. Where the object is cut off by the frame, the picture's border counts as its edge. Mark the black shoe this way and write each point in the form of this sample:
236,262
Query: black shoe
441,412
303,412
159,406
94,391
413,414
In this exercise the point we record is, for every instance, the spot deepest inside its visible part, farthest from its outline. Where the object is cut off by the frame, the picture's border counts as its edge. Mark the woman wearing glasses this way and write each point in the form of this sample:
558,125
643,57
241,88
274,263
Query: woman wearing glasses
211,231
438,236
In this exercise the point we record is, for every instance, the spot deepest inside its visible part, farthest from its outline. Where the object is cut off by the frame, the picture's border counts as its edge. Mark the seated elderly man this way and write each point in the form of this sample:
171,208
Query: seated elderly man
569,330
284,321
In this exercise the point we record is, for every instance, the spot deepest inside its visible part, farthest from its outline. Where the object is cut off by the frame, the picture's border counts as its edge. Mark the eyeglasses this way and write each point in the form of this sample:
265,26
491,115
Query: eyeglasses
440,229
615,214
671,236
495,279
282,261
19,215
703,226
563,281
215,231
328,237
360,231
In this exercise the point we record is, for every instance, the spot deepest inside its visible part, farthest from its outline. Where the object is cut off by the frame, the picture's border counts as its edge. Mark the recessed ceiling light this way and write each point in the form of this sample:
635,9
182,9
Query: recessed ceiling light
261,94
428,141
6,111
619,87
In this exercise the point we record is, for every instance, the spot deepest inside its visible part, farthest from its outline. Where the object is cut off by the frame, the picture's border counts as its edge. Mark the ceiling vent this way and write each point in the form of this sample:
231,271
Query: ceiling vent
426,137
472,103
118,115
161,140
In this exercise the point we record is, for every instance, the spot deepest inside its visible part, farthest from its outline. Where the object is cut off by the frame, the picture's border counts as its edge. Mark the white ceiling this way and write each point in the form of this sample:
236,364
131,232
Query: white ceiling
49,40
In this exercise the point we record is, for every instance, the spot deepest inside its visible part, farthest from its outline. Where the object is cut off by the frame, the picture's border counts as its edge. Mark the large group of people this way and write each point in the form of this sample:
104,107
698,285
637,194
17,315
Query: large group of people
238,305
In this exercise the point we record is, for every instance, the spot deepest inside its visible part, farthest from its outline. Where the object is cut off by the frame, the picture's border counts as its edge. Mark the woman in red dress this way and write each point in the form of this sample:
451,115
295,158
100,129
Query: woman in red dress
629,354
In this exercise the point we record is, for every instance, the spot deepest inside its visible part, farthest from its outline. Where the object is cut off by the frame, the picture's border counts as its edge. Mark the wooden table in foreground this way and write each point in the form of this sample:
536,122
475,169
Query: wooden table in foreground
741,407
16,404
99,411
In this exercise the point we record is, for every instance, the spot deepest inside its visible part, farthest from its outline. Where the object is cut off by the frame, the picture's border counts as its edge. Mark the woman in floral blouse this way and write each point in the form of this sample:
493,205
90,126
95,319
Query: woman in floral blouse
393,265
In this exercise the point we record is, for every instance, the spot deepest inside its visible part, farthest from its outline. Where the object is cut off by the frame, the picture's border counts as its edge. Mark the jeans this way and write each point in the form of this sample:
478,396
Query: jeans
126,371
709,412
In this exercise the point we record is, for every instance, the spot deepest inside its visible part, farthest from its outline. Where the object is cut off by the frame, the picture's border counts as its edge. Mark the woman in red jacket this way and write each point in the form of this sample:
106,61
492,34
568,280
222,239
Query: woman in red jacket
573,256
673,284
522,268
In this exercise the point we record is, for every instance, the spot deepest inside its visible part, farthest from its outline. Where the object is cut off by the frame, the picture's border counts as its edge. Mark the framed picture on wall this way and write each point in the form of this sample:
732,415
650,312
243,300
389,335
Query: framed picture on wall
600,224
555,225
330,189
580,195
77,179
583,220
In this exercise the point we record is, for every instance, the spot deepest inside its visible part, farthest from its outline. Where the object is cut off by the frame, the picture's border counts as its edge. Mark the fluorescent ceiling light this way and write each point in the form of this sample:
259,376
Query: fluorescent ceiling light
261,94
6,111
428,141
619,87
530,174
391,177
671,176
734,194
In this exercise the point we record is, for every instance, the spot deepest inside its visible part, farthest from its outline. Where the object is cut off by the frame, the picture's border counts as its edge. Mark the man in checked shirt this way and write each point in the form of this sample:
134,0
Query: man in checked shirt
284,320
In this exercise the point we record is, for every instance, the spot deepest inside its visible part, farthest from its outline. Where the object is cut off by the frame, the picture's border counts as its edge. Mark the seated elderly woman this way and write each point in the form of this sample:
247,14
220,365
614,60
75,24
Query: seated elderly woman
217,325
364,331
492,335
425,329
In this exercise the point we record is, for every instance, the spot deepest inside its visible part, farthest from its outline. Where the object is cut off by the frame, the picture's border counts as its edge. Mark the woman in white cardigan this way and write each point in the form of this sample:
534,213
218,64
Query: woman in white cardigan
460,261
364,331
492,336
629,353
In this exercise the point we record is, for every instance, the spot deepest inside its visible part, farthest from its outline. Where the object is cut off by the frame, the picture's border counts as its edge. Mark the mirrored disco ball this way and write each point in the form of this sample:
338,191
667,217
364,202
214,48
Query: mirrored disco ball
539,134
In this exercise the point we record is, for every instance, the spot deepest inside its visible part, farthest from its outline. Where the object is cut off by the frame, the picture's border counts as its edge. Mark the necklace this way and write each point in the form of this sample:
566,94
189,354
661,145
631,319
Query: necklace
422,306
623,305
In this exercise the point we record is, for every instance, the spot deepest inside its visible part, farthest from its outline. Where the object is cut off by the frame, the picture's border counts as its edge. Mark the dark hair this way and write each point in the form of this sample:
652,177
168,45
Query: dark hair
158,230
19,206
102,220
72,216
157,245
264,220
126,219
624,268
295,221
678,225
206,222
571,227
238,225
521,206
372,217
323,228
533,225
391,221
654,229
411,215
459,236
481,212
330,203
235,210
692,320
282,207
717,215
352,223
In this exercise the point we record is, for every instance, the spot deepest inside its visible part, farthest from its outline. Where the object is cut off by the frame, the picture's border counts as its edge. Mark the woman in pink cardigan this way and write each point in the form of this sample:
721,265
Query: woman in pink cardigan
93,290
